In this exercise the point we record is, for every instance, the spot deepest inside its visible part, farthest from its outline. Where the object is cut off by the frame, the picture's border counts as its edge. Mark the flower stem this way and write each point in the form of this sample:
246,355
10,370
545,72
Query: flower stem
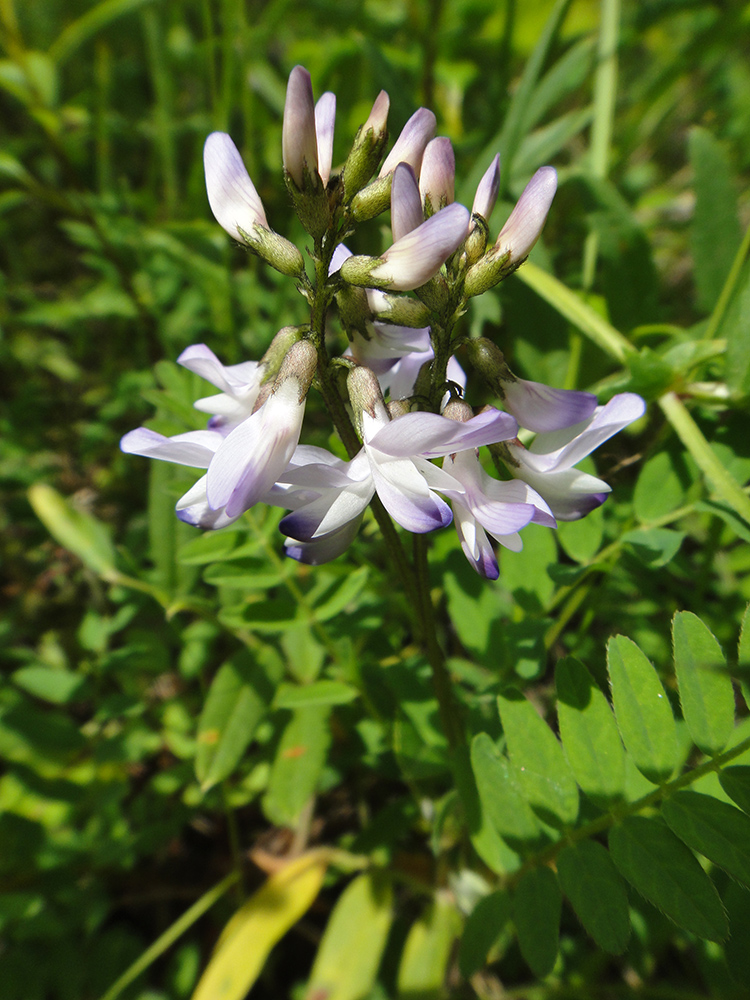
448,706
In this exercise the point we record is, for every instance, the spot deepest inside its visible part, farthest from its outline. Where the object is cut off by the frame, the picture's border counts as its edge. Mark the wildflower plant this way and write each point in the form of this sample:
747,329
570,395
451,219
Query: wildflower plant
386,348
353,653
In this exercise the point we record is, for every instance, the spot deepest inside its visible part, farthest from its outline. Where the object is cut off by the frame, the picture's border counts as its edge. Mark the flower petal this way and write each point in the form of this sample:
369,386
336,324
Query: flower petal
418,256
406,204
410,145
234,201
406,496
323,549
254,455
299,144
195,448
526,221
620,411
541,408
486,196
431,435
437,177
325,118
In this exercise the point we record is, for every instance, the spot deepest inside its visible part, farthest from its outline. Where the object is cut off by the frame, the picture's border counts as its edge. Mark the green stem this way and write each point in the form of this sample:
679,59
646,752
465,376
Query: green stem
728,290
692,437
170,935
448,707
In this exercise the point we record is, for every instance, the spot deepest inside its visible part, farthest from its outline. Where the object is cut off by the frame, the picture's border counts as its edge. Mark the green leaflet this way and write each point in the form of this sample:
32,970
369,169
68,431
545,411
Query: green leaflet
485,839
589,734
482,930
706,691
643,713
713,828
299,760
597,893
716,233
539,765
237,700
501,801
424,960
743,656
356,931
537,905
75,530
667,874
323,692
736,783
736,900
660,488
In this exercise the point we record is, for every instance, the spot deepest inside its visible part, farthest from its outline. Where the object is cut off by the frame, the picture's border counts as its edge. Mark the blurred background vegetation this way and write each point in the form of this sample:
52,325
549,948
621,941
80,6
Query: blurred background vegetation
110,264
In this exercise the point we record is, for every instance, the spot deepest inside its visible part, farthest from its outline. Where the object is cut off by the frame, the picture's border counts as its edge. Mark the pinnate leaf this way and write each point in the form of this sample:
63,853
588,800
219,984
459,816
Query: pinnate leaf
643,713
706,691
667,874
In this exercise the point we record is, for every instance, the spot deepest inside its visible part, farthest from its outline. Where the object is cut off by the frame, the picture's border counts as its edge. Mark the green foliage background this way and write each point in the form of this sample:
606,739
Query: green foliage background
174,706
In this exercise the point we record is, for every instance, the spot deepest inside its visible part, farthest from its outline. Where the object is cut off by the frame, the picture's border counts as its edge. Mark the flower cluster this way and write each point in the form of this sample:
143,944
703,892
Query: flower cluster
402,407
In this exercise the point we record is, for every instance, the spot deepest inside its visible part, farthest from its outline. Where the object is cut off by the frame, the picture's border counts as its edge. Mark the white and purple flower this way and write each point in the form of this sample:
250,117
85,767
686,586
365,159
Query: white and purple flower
547,465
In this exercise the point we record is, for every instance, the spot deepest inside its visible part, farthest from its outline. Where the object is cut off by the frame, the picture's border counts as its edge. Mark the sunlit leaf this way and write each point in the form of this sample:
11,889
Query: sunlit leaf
643,713
589,733
263,920
424,960
347,961
706,692
539,765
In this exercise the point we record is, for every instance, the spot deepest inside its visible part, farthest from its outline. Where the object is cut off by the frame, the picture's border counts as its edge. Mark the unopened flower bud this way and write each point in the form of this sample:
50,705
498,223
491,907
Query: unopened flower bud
456,409
367,148
372,200
410,145
300,363
522,230
486,195
437,177
354,310
325,117
488,361
413,259
365,394
275,250
476,241
398,408
398,309
518,235
299,144
278,349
